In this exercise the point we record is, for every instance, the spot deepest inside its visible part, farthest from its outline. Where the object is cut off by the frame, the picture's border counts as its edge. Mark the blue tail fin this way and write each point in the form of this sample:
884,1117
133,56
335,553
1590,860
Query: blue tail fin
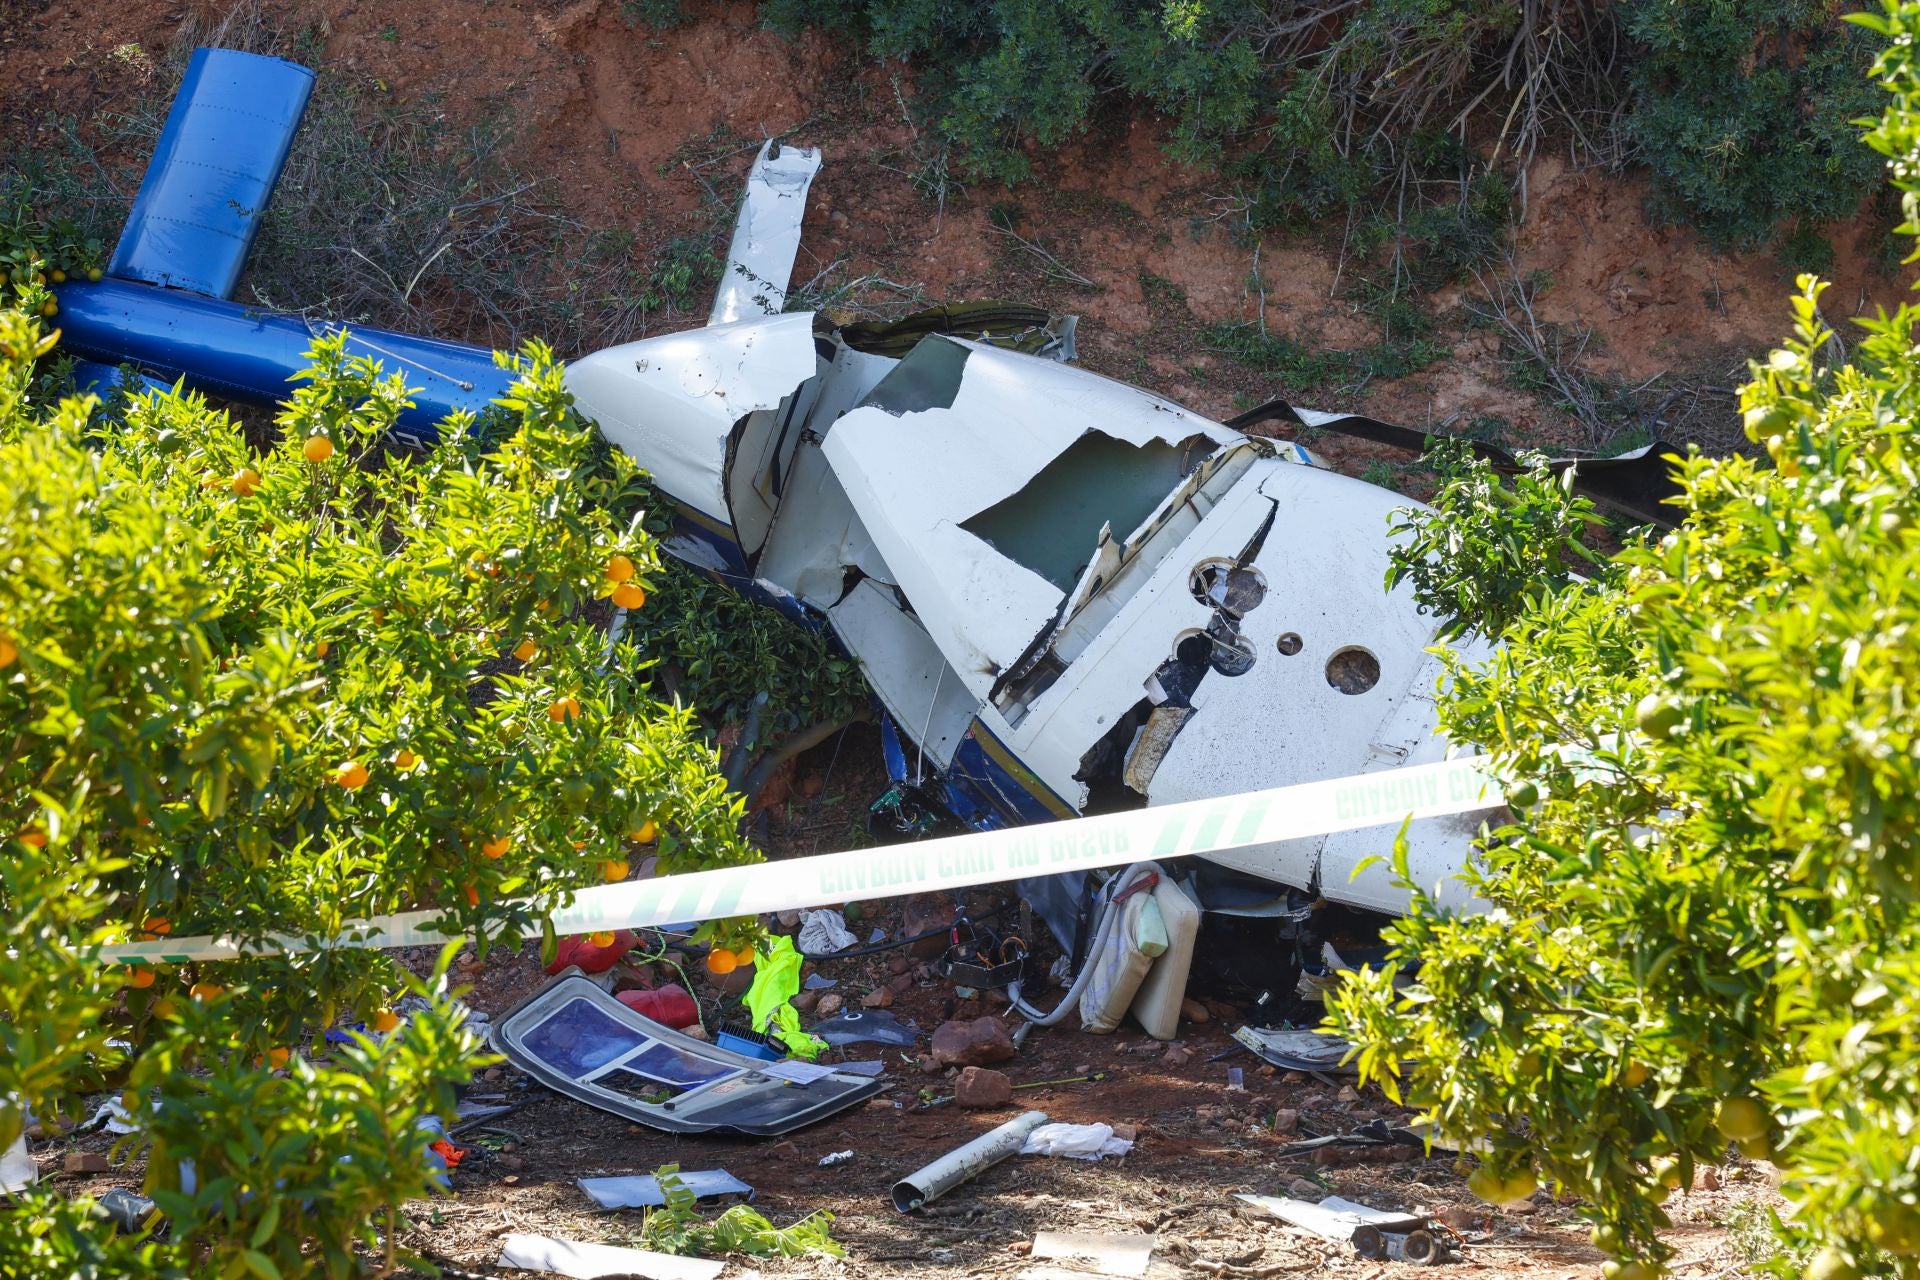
213,171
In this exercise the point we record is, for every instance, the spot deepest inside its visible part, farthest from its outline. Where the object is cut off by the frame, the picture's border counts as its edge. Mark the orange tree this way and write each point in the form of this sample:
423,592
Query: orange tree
256,689
1705,920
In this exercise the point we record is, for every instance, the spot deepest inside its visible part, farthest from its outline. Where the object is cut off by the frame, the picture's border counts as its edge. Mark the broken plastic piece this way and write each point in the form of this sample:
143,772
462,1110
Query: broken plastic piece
591,1261
925,1185
642,1191
575,1038
875,1026
836,1157
1333,1218
1296,1049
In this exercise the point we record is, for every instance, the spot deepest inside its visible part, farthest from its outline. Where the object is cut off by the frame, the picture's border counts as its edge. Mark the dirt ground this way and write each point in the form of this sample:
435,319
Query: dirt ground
609,112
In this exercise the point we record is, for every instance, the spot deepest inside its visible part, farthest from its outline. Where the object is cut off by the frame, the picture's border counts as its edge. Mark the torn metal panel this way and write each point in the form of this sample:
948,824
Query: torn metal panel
957,430
672,402
766,235
905,668
575,1038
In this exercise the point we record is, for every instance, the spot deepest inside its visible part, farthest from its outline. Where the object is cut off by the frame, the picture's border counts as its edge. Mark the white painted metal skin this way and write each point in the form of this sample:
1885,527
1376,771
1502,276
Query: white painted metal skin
924,484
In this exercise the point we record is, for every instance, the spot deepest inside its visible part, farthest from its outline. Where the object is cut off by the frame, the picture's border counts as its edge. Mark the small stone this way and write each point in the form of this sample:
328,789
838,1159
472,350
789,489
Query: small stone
1021,1247
1266,1069
1462,1217
997,998
1286,1121
1306,1189
1127,1132
493,1075
1177,1055
929,1067
511,1179
85,1162
804,1001
830,1003
512,1162
1194,1011
1083,1069
1706,1178
898,964
901,984
789,919
1294,1077
1328,1157
972,1044
878,998
783,1149
1358,1118
982,1088
697,1031
1346,1094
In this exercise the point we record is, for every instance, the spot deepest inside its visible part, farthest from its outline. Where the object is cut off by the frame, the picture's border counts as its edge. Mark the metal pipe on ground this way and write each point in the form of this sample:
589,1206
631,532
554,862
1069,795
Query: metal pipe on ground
928,1184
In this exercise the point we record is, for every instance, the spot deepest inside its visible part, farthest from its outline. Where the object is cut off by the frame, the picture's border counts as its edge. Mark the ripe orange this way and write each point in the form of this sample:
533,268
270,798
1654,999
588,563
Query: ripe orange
378,615
647,833
526,651
405,759
323,648
140,979
613,870
205,990
7,652
720,961
95,274
244,482
317,449
619,569
473,895
629,595
49,308
1636,1074
384,1020
601,939
564,709
743,957
161,1008
159,926
496,847
59,276
351,774
37,839
277,1058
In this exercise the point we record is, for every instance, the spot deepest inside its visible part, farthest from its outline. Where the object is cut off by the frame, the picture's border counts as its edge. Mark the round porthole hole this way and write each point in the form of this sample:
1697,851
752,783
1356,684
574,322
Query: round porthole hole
1289,643
1353,670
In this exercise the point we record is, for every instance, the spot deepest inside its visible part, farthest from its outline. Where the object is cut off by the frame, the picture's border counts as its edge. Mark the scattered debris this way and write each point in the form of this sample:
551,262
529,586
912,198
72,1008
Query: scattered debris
575,1038
927,1184
1298,1049
669,1004
1076,1141
857,1026
982,1089
580,951
834,1158
585,1261
776,981
878,998
1332,1218
643,1191
1375,1133
17,1169
1421,1248
129,1212
1111,1255
824,932
978,1043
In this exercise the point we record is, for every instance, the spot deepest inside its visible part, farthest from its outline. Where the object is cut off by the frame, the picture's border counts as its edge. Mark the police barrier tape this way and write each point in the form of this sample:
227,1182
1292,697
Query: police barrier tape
952,862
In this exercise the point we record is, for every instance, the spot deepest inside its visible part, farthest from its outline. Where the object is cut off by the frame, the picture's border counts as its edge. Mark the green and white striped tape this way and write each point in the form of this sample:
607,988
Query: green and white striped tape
951,862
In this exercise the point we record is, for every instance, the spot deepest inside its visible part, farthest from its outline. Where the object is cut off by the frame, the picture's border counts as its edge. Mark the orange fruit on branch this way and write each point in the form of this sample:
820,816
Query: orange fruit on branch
619,569
351,774
244,482
317,449
629,595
